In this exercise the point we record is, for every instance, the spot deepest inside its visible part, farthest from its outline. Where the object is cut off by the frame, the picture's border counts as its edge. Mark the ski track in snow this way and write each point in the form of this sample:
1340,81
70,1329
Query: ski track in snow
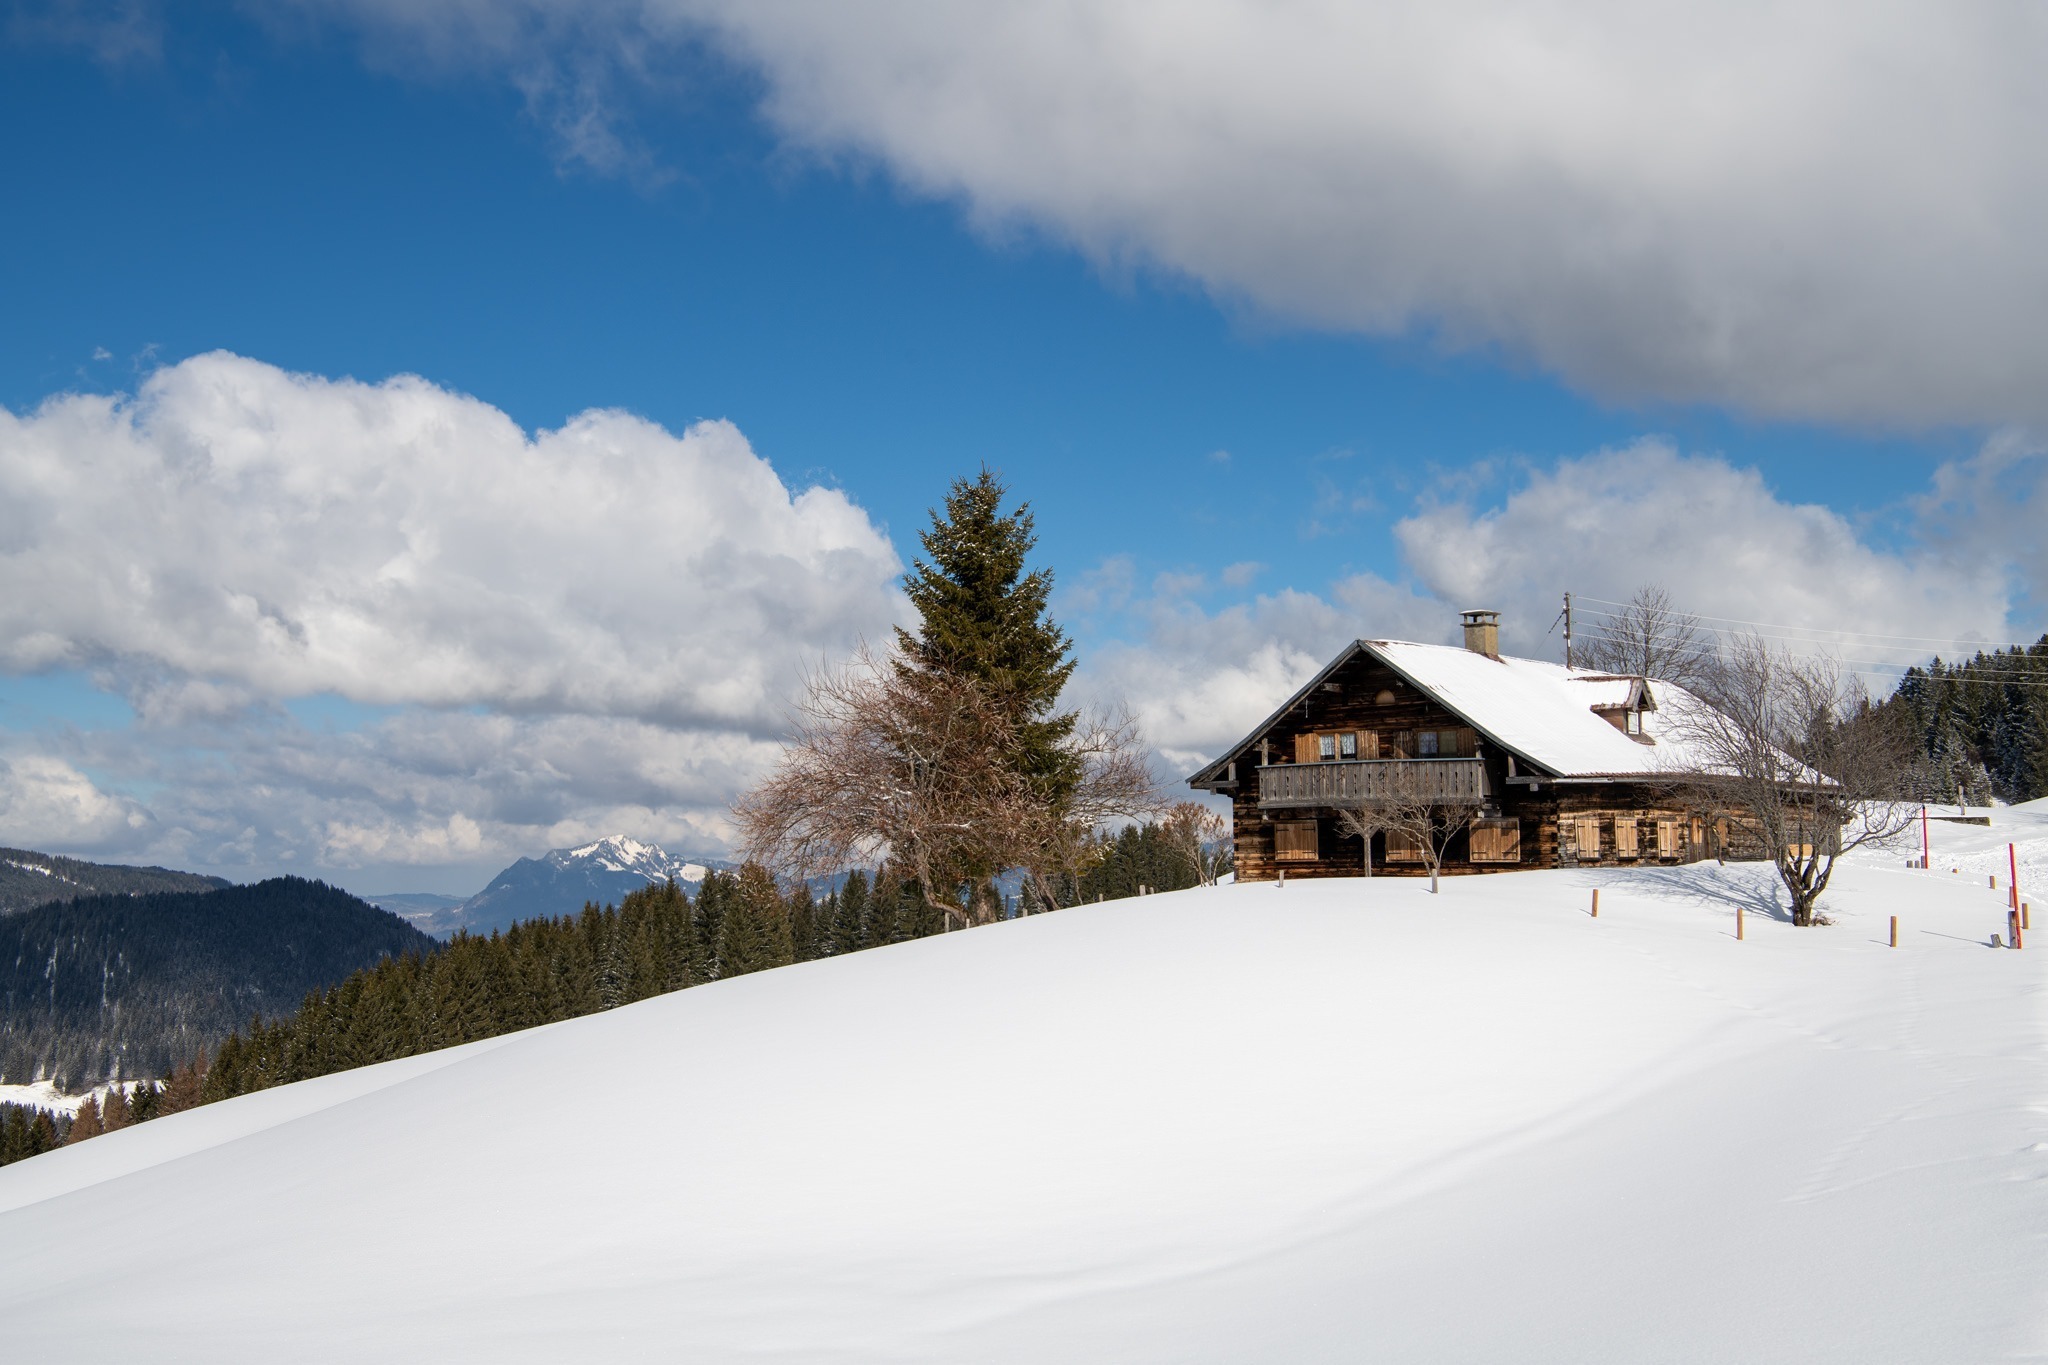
1342,1121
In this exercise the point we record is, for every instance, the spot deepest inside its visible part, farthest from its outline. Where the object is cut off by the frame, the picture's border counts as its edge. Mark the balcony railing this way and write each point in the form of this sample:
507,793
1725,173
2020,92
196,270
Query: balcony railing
1446,781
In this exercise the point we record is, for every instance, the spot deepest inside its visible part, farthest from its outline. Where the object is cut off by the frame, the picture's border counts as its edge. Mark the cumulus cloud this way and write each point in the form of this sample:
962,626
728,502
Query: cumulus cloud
1714,534
236,532
1769,205
546,637
45,802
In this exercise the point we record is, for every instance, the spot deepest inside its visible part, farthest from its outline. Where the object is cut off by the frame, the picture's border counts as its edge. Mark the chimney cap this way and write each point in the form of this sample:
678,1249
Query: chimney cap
1480,616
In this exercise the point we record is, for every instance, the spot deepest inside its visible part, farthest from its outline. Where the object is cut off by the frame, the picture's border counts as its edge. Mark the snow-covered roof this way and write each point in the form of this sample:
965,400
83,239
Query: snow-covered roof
1543,713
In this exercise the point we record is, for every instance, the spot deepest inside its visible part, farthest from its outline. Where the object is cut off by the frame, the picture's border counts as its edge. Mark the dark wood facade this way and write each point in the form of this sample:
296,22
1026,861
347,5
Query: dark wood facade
1286,779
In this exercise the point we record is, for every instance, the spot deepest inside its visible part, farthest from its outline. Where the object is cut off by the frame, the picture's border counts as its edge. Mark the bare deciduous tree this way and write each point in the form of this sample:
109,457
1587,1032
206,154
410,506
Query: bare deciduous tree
889,765
1650,638
1201,837
1791,751
1405,806
916,767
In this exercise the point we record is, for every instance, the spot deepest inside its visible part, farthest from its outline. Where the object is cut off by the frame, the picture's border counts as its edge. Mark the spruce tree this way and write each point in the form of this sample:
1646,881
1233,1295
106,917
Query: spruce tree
849,916
983,616
754,933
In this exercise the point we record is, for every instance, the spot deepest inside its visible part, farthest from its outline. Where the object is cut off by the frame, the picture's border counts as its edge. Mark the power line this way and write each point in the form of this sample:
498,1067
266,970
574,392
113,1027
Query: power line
1770,625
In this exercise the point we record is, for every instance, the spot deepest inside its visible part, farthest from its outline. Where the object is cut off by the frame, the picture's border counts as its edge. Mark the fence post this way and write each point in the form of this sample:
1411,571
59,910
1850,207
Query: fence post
1283,879
1738,921
1895,931
1596,902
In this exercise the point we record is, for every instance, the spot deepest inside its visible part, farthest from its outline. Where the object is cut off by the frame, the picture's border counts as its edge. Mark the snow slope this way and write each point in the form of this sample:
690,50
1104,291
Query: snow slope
1340,1121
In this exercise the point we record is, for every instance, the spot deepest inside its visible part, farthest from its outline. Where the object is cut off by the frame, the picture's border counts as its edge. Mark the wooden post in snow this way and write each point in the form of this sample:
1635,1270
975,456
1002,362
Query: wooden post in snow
2012,923
1283,879
1895,931
1596,902
1738,921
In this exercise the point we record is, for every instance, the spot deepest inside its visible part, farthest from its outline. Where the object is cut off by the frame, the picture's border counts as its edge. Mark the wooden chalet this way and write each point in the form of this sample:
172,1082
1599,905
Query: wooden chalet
1558,767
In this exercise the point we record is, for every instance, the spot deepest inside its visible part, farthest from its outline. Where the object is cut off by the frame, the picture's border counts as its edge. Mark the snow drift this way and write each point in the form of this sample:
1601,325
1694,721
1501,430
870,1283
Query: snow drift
1339,1121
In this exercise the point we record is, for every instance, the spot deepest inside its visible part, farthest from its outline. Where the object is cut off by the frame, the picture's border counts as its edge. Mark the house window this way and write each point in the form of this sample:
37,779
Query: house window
1294,841
1425,744
1496,841
1633,723
1326,747
1347,744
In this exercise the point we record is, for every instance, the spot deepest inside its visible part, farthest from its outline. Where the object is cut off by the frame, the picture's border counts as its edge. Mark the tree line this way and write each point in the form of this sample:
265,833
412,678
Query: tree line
1981,724
656,940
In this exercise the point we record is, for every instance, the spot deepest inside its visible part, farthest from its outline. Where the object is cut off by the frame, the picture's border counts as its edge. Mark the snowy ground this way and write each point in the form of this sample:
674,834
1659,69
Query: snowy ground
44,1095
1343,1121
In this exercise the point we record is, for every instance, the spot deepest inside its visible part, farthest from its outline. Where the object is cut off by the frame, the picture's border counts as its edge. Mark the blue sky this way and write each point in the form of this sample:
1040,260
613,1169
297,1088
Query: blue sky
319,198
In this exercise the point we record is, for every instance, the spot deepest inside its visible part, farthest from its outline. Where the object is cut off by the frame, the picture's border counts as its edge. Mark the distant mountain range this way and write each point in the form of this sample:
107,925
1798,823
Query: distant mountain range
560,882
31,879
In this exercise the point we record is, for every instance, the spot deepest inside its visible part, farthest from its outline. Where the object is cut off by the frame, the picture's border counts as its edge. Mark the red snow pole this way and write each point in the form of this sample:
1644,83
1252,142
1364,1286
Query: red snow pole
2012,859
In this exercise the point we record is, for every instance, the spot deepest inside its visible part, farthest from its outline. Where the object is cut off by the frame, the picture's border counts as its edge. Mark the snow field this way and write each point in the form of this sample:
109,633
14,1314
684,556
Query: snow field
1345,1120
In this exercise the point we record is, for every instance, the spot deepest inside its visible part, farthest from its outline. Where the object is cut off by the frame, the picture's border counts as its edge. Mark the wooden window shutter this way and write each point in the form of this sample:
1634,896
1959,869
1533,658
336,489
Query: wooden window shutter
1667,838
1368,744
1589,836
1496,841
1403,847
1305,748
1294,841
1624,836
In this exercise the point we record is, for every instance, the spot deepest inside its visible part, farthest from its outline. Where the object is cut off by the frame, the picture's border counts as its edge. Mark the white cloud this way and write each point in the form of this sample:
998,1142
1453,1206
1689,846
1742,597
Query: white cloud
45,802
1795,210
238,532
1602,525
550,637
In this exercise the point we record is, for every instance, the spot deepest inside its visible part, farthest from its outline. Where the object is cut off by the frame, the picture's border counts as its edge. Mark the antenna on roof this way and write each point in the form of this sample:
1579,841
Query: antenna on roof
1566,617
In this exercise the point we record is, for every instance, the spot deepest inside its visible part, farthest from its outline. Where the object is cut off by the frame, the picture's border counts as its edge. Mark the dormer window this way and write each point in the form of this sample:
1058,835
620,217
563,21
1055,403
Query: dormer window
1632,722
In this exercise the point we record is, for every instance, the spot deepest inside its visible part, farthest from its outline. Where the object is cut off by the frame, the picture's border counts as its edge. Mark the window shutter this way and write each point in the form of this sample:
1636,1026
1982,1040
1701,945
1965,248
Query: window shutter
1368,744
1305,749
1667,838
1294,841
1624,837
1496,841
1589,836
1403,847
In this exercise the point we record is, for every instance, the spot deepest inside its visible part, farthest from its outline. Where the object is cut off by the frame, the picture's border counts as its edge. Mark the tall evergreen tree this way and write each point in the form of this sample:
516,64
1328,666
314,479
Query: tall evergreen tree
983,616
754,934
849,919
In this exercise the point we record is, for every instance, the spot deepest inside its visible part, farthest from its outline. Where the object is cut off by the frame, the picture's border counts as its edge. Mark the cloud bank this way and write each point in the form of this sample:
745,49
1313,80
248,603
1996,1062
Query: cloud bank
1795,211
532,638
236,533
1714,534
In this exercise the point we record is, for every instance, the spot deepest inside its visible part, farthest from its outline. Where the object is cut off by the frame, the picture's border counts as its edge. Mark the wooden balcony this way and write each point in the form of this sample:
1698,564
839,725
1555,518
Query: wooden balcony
1445,781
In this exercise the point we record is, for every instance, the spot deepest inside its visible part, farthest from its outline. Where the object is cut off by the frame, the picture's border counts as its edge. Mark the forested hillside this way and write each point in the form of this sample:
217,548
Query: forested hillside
138,983
31,879
1982,723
